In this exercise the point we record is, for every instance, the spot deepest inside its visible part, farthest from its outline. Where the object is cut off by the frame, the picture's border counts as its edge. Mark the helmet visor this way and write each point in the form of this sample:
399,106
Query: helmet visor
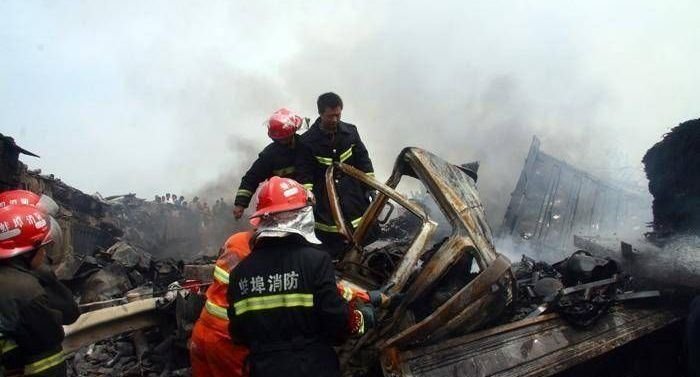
54,243
47,205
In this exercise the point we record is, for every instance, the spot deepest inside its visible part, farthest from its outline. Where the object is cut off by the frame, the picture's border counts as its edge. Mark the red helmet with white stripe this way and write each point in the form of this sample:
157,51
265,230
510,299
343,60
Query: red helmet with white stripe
280,195
28,198
283,123
25,228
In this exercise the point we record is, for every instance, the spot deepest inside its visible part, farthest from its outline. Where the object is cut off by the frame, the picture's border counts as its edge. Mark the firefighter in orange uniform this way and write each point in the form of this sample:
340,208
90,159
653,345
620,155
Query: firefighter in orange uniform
212,353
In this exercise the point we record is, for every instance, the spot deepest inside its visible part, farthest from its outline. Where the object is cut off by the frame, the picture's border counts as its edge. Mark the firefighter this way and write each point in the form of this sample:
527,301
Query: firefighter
211,350
330,140
277,159
34,305
286,306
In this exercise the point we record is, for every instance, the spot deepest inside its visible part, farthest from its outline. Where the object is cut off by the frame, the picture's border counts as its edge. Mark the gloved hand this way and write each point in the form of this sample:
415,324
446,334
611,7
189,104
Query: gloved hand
379,298
367,318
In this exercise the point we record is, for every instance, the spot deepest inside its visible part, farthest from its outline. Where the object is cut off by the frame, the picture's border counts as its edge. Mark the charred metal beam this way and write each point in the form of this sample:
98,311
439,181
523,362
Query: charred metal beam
101,324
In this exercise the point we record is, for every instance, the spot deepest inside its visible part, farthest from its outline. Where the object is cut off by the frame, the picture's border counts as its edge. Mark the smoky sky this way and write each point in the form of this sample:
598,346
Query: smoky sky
170,96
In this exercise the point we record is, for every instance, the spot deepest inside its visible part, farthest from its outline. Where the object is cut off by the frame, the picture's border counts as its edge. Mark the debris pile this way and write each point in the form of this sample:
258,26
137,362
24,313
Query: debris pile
675,182
146,353
581,288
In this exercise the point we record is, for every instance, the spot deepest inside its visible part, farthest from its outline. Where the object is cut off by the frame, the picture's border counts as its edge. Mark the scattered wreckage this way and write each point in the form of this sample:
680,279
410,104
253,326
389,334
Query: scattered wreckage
464,309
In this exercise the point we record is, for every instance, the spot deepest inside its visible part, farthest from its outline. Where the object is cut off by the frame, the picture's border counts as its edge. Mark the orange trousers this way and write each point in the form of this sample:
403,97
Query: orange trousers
212,353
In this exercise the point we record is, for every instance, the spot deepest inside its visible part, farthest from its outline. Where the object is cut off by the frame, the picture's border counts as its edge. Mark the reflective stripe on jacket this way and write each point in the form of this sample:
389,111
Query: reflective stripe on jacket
318,151
286,291
236,248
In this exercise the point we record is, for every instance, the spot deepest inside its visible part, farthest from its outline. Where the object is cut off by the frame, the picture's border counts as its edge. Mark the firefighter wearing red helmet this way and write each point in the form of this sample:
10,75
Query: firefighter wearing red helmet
277,159
34,305
286,306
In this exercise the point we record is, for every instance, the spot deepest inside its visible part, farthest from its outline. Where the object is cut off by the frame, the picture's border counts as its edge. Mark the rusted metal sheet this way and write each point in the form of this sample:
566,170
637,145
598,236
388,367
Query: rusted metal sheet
456,194
541,346
553,201
105,323
480,300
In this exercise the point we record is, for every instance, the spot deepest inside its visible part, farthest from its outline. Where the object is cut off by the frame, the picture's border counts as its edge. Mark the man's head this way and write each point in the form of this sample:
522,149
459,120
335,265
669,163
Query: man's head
282,126
330,105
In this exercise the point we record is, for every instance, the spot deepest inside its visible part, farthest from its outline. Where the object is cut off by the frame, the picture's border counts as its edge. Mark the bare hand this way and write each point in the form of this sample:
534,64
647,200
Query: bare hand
238,212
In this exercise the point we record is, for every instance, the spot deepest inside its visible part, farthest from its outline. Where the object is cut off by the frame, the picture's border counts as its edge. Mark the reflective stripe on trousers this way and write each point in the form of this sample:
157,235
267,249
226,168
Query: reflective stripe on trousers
44,364
274,301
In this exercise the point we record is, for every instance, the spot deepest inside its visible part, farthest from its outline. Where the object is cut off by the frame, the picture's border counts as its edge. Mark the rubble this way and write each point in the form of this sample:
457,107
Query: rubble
138,269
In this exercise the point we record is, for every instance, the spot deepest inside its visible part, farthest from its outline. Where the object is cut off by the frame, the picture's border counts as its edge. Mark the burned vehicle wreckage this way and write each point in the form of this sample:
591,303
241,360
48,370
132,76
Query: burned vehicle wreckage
464,308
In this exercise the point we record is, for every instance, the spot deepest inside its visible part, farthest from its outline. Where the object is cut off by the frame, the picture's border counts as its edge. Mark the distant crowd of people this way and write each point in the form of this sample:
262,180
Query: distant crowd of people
214,221
219,207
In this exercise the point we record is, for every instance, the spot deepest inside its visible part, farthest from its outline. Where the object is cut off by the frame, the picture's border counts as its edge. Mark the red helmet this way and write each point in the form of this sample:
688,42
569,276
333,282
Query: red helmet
24,197
280,195
283,123
24,228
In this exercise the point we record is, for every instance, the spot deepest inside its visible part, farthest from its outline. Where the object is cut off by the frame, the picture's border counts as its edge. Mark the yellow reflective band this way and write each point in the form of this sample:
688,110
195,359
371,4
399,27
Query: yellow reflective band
273,302
355,223
324,160
220,275
216,310
326,227
308,186
361,326
347,154
7,345
284,171
44,364
370,173
243,192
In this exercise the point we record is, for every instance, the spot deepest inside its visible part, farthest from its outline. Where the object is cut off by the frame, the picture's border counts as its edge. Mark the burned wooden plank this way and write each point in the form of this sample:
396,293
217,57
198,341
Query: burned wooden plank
537,347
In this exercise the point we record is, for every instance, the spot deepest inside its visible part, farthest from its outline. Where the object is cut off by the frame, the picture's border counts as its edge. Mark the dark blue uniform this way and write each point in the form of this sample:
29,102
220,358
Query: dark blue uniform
320,150
285,306
275,160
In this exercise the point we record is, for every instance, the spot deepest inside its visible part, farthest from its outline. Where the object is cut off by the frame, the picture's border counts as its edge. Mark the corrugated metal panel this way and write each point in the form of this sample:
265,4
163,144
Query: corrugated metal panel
553,201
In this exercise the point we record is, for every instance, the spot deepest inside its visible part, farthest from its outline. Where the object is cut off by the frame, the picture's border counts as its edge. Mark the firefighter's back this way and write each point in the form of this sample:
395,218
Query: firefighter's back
287,309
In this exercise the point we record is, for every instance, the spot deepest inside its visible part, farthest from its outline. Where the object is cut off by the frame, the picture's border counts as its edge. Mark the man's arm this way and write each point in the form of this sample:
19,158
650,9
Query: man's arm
39,330
258,172
60,298
333,311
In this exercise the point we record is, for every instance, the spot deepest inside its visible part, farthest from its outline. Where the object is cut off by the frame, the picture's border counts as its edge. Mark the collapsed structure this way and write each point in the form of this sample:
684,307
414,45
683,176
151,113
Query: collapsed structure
465,309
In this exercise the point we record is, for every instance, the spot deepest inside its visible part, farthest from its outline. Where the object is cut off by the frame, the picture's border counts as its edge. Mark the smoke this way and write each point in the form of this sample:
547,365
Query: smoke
170,96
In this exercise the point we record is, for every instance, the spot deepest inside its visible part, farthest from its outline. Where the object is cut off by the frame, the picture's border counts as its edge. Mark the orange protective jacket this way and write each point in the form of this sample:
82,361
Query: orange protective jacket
212,352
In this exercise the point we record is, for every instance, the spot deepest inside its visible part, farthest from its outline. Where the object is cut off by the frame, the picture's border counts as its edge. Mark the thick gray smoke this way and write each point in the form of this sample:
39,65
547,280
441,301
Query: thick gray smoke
170,96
